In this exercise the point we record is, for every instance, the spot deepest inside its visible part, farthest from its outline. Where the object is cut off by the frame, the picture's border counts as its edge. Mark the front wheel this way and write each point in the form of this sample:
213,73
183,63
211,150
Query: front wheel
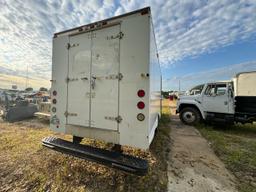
190,116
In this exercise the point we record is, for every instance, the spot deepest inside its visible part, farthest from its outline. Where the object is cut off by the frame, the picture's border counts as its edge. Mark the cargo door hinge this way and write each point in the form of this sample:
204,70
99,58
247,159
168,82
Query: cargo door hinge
119,76
68,46
70,114
118,36
118,119
71,79
121,34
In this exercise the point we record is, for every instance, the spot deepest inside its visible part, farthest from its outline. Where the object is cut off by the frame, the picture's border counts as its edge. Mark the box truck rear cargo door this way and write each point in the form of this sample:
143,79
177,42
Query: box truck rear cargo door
105,78
78,110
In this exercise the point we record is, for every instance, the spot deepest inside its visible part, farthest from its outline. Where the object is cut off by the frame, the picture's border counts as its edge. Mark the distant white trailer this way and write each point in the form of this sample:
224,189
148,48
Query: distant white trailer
106,81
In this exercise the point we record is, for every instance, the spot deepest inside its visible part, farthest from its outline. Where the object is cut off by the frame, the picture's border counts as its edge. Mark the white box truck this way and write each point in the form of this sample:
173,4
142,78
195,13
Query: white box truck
226,101
106,81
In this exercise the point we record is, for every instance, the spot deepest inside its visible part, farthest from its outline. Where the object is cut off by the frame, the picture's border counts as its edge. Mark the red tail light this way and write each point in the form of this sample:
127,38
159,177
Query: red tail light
141,93
141,105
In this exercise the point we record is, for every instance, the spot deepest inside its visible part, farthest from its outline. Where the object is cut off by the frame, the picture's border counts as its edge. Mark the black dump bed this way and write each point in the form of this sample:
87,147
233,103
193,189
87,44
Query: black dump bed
245,105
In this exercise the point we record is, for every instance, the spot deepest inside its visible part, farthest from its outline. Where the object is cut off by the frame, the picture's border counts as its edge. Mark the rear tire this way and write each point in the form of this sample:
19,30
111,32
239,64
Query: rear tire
190,116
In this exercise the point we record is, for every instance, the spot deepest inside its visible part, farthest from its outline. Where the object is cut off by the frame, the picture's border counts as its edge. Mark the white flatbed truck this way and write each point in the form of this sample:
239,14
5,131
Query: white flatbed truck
227,101
106,85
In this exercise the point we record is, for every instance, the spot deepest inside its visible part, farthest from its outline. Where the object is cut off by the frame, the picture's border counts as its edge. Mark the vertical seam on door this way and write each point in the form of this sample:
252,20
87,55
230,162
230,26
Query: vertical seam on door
67,82
90,79
118,86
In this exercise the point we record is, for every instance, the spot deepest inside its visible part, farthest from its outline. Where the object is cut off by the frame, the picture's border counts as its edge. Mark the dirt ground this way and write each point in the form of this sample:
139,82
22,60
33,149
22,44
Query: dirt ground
180,159
234,145
27,166
193,166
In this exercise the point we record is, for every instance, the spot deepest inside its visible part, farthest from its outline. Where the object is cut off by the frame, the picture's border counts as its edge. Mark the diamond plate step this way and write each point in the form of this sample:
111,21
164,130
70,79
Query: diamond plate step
113,159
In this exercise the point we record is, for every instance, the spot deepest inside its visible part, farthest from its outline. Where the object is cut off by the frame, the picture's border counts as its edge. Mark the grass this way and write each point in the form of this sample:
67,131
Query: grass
236,147
26,166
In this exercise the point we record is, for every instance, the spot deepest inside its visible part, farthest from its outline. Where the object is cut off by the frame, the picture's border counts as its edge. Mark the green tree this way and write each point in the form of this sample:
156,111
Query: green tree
43,89
165,94
29,89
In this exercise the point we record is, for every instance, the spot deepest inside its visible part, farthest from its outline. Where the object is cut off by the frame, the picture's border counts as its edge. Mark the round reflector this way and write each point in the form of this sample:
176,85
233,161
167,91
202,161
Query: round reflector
54,109
141,105
141,93
54,101
140,117
54,93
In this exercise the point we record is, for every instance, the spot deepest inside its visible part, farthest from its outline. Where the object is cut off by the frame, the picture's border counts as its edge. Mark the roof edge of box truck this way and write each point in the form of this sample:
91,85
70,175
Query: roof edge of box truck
91,26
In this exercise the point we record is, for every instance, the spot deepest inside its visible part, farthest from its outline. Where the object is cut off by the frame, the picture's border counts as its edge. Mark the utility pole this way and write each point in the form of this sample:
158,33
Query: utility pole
179,85
27,78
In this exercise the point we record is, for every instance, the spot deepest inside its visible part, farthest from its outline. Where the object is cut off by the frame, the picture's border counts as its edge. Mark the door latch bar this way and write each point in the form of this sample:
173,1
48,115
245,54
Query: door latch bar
68,46
118,36
71,79
119,76
118,119
70,114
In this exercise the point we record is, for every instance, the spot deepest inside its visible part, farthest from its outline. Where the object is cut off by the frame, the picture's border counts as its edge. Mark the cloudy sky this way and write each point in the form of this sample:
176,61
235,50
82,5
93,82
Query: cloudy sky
198,40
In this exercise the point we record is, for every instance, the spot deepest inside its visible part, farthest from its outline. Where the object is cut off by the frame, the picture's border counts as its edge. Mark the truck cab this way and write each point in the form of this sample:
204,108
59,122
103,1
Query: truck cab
224,101
207,101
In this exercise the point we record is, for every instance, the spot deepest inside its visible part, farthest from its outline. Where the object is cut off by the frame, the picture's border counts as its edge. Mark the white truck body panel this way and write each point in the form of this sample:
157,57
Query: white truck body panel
97,72
243,83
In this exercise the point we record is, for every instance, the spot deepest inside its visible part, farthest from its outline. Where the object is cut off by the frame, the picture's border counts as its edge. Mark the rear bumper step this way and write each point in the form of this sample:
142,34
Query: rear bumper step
110,158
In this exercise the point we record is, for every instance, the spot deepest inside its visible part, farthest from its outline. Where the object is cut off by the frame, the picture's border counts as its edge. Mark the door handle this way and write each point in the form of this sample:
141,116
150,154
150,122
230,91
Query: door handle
93,82
84,78
225,102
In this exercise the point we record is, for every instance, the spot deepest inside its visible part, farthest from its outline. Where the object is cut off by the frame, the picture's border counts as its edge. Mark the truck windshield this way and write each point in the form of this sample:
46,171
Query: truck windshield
196,90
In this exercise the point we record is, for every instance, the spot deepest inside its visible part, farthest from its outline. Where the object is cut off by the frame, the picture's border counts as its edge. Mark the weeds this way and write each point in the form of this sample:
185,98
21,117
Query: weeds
236,147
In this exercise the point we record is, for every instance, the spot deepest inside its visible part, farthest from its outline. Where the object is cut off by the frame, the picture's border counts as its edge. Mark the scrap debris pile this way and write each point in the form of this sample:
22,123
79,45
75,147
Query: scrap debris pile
17,105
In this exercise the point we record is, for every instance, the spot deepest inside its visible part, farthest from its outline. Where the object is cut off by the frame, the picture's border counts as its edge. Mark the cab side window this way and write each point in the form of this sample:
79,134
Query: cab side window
221,89
210,90
216,89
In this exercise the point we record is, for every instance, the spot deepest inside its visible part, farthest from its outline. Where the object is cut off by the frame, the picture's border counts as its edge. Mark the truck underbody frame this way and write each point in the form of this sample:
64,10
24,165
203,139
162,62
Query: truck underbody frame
219,117
113,159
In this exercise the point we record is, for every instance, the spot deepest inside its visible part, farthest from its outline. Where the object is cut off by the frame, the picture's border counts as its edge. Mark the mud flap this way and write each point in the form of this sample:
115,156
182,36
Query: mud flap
113,159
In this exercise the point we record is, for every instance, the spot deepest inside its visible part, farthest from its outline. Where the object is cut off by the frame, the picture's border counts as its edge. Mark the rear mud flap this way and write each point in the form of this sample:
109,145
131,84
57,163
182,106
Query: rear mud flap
116,160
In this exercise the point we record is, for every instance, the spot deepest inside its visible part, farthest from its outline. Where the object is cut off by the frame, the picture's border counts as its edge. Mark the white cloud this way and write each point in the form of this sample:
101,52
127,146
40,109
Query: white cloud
183,28
219,74
189,29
